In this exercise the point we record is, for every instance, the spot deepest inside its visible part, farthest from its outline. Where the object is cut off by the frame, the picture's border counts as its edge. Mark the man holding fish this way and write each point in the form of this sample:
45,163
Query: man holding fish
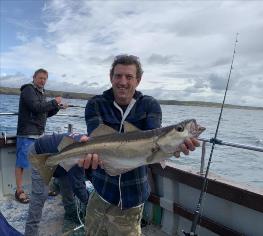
116,206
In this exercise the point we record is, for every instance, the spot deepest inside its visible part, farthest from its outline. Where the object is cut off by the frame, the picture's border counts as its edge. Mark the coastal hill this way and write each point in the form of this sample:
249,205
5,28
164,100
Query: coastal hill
86,96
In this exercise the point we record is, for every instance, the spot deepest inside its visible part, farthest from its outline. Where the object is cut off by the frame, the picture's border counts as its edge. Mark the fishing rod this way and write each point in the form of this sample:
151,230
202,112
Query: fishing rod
197,213
76,106
16,113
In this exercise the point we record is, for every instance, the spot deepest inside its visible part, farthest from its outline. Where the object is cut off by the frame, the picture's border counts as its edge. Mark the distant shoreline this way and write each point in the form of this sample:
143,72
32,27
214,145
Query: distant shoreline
86,96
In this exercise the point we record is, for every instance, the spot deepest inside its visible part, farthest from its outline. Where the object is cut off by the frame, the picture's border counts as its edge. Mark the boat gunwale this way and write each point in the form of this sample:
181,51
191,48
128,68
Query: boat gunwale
205,222
224,189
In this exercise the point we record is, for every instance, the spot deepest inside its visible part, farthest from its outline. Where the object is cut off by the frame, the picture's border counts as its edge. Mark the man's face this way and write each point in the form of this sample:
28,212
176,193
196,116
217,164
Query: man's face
40,79
124,83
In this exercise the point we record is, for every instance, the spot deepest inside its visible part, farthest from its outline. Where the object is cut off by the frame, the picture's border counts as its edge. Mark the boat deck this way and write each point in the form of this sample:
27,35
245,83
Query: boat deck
16,214
52,217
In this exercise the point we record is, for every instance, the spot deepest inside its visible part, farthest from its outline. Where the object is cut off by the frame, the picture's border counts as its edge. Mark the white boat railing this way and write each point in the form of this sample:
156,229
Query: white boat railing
221,142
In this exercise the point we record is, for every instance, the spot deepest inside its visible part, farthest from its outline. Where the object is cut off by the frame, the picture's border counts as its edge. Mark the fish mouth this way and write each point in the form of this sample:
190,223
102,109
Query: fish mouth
196,129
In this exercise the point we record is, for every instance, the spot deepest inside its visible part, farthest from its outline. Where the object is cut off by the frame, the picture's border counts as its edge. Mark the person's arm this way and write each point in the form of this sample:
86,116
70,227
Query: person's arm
154,115
77,180
33,103
49,143
60,106
53,112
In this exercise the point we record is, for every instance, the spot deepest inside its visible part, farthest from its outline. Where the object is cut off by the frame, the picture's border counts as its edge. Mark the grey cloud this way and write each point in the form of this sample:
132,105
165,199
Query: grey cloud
14,81
160,59
220,62
250,42
178,75
81,87
108,59
199,84
104,37
216,82
86,83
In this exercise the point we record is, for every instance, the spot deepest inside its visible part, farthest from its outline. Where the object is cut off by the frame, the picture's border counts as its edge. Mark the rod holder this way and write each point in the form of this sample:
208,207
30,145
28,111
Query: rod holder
70,128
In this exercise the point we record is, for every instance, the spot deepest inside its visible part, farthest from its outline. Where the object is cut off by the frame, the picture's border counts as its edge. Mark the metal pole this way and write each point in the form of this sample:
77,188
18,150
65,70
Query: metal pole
237,145
202,165
70,128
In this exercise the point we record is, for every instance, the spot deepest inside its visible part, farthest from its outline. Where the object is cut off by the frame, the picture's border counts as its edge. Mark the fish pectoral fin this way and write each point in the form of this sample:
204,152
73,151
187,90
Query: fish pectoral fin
69,163
113,171
150,158
66,141
157,157
102,130
155,151
128,127
39,162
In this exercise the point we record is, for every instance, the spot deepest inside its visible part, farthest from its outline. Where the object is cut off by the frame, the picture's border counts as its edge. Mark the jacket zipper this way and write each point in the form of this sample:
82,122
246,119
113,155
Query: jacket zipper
124,116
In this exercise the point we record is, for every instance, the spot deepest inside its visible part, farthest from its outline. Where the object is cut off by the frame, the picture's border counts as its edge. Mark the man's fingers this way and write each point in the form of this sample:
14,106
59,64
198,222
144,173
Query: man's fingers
88,161
189,144
185,149
84,138
95,161
101,164
195,142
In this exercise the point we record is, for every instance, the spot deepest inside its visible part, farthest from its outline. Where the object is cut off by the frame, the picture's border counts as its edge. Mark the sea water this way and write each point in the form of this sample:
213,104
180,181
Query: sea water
237,126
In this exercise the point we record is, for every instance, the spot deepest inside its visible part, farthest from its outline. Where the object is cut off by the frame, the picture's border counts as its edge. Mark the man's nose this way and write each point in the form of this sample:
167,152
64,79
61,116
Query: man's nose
123,79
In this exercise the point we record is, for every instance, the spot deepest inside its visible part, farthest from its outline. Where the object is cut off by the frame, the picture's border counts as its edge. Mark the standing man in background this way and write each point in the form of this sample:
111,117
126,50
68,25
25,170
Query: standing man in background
32,117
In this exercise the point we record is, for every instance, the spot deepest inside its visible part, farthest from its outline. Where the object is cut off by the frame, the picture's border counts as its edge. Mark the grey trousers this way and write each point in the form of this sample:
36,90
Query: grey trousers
39,195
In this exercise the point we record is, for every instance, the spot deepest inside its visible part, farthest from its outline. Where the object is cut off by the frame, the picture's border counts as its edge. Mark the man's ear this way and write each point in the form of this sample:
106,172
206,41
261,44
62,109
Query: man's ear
138,80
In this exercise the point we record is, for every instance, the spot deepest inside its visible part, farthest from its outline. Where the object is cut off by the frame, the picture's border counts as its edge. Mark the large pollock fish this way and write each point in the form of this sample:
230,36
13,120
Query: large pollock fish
119,152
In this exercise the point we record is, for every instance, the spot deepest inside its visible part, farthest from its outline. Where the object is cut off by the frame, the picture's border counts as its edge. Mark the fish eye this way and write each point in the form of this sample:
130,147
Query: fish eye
180,128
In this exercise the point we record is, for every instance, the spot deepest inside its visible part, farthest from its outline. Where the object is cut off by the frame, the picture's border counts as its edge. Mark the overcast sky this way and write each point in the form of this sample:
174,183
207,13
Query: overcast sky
185,47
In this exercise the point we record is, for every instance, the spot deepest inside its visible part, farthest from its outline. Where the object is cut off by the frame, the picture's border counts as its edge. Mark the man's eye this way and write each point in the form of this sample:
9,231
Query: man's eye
117,76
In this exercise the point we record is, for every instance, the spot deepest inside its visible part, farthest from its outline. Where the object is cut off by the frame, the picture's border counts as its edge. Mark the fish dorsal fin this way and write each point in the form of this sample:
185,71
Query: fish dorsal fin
103,130
66,141
128,127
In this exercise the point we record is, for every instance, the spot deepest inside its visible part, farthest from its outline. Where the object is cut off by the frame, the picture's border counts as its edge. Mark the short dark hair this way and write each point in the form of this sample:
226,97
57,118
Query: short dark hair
40,71
125,59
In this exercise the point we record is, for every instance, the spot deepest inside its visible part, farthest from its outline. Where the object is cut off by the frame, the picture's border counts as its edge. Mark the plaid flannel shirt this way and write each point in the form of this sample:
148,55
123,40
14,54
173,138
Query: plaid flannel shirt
129,189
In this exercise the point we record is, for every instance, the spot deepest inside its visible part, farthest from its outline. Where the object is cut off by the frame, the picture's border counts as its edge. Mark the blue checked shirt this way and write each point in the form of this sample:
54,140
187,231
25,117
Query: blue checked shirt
129,189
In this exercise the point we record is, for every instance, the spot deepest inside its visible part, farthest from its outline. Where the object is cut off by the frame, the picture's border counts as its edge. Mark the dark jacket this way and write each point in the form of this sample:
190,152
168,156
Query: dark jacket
34,110
129,189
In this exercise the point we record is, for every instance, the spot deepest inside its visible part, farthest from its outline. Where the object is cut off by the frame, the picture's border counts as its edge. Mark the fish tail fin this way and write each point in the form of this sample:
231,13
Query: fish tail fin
39,162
